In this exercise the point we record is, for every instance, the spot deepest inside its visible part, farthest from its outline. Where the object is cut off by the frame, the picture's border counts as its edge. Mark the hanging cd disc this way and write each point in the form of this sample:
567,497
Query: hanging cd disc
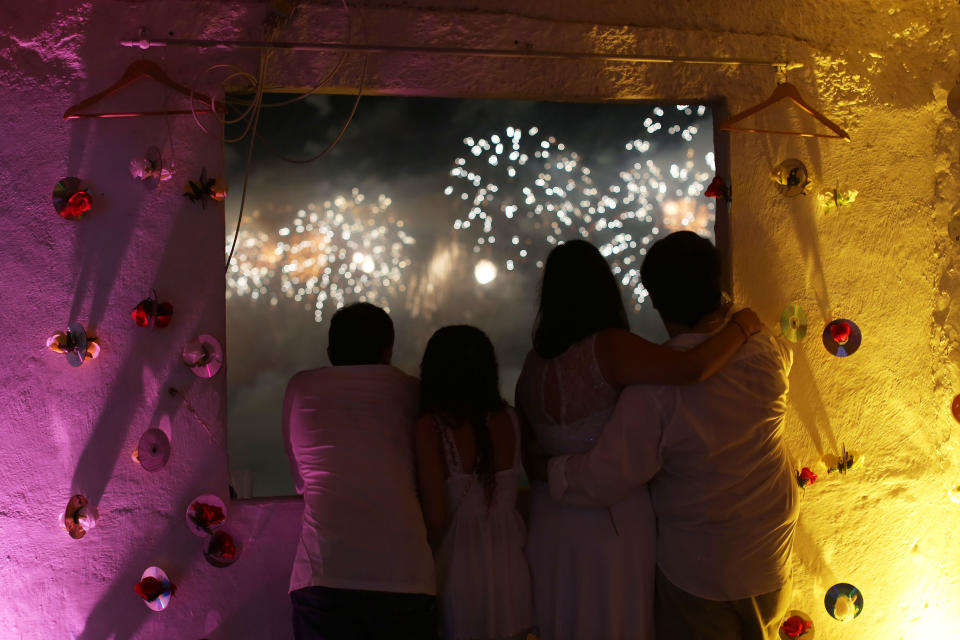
77,338
205,514
843,601
155,588
64,190
791,177
953,227
204,356
842,337
153,451
793,323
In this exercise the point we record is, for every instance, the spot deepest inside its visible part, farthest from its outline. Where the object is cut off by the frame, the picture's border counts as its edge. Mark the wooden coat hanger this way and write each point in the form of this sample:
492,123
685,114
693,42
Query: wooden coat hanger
786,90
137,70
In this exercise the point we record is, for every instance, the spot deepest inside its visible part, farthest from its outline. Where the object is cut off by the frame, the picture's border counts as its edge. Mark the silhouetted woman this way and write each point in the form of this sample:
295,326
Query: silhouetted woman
467,443
593,569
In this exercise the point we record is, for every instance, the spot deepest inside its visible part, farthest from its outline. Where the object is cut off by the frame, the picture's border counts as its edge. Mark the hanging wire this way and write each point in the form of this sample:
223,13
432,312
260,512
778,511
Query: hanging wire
252,127
256,106
336,140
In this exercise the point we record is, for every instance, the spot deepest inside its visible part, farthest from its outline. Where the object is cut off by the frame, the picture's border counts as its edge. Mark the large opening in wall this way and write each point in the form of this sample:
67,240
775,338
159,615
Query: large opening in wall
442,211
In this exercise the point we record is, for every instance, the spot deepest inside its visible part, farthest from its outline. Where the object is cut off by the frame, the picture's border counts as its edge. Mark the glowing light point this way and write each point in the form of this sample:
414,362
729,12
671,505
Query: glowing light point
485,272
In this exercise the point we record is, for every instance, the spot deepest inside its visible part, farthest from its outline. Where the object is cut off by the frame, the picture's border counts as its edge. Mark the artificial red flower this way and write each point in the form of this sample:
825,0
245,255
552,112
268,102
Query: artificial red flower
806,476
205,515
141,314
222,546
840,332
164,314
78,204
795,626
717,189
149,588
149,310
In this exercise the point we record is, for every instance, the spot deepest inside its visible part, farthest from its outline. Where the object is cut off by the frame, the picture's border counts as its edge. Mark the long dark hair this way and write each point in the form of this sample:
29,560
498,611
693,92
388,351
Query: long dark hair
459,378
578,297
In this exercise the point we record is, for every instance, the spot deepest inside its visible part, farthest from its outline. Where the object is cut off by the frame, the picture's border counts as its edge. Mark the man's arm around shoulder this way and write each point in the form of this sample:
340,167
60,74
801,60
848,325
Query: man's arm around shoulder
626,456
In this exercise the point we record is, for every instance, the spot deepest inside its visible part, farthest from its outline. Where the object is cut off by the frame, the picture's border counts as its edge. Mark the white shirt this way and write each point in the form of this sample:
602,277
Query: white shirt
723,487
349,435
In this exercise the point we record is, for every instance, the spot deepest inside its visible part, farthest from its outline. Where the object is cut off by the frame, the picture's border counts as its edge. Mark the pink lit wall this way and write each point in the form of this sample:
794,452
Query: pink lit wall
881,69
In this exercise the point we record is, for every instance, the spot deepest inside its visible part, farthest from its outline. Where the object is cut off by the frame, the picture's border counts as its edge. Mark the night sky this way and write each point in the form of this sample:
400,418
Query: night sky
405,149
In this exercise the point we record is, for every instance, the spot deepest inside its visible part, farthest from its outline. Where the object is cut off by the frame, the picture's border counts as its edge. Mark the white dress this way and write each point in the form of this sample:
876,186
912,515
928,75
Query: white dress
482,573
592,569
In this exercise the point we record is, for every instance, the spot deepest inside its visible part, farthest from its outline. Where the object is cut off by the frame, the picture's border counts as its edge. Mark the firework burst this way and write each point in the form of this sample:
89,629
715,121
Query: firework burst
346,248
523,192
520,191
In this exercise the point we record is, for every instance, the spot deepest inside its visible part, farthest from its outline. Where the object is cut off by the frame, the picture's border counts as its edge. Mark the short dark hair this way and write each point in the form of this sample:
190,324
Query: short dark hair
578,297
682,275
360,333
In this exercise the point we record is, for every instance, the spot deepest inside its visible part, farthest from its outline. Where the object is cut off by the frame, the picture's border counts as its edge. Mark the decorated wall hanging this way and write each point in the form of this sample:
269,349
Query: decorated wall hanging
150,169
221,549
71,198
205,514
153,450
149,312
204,356
793,323
204,189
155,588
843,601
75,344
837,198
796,625
791,177
842,337
79,517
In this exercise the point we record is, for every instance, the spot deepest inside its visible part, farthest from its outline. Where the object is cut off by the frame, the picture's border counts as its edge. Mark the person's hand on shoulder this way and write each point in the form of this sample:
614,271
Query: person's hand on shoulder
748,321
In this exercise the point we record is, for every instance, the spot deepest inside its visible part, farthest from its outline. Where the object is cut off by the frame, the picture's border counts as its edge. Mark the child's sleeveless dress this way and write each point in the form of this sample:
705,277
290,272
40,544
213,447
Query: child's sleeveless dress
484,580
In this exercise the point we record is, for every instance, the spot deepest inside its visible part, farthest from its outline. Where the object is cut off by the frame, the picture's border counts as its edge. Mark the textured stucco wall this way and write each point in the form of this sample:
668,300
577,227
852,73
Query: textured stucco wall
881,69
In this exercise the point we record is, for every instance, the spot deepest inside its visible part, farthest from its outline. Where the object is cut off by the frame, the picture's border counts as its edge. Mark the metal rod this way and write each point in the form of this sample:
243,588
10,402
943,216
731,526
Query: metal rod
481,53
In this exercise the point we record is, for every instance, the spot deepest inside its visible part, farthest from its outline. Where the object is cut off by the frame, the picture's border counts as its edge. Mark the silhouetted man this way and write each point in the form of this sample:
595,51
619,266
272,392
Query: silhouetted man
363,568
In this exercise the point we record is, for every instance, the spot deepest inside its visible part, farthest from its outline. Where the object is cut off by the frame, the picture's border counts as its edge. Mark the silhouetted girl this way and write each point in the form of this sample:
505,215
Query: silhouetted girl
468,465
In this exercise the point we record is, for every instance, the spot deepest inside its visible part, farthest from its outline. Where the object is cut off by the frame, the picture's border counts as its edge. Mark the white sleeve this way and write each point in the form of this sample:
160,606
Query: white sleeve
626,455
